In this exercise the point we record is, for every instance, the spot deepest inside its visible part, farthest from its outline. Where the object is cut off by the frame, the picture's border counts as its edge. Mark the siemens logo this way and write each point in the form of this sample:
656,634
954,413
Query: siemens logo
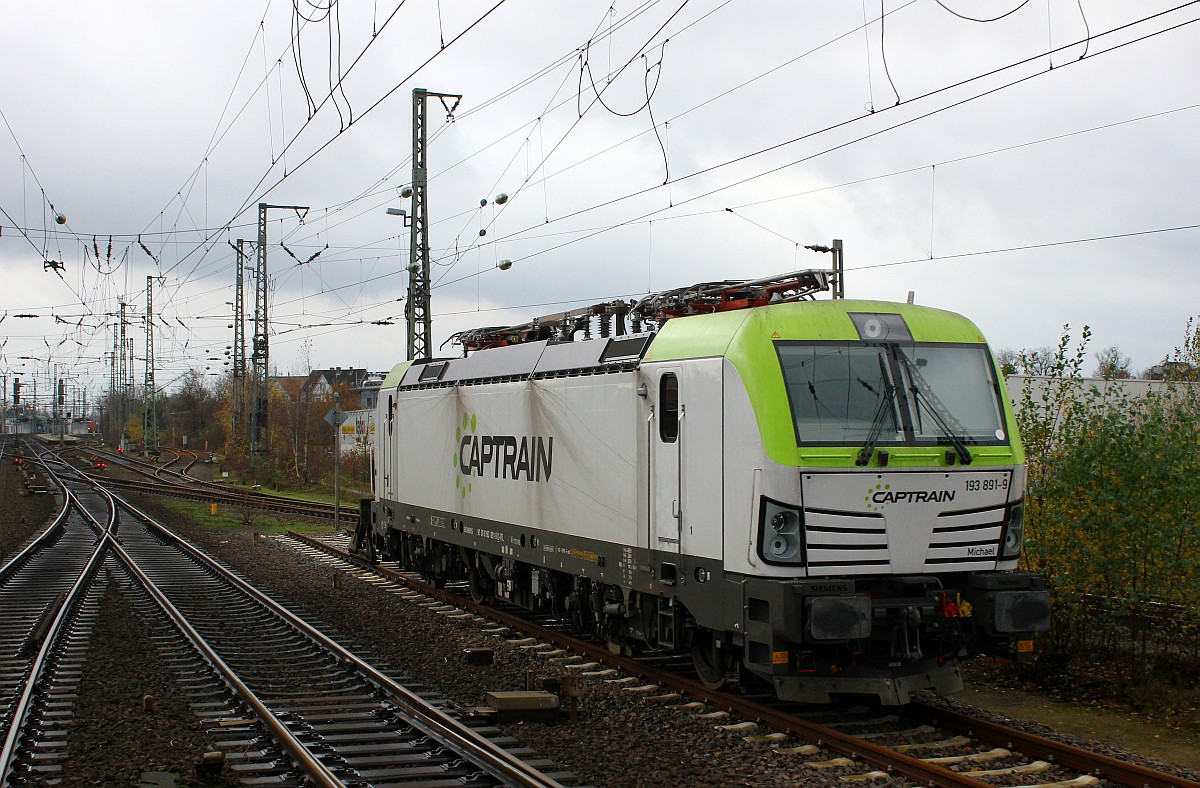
506,457
913,496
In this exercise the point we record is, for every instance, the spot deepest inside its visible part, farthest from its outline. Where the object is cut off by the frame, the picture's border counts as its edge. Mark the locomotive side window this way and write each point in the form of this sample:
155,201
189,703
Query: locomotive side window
668,408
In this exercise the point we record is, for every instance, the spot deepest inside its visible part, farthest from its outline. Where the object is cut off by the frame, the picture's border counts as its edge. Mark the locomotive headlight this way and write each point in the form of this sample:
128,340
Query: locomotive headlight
780,533
1014,532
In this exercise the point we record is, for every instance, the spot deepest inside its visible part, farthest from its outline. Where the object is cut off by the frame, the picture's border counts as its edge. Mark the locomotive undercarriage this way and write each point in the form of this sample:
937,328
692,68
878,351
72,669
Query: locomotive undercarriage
628,621
881,638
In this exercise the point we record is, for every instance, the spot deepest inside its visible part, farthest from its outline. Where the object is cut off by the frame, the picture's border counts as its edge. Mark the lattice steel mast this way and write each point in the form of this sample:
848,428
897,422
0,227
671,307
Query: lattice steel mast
260,435
238,384
416,309
149,419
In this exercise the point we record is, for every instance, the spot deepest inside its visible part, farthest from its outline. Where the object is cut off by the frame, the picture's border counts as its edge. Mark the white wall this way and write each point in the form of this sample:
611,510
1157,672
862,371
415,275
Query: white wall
1039,384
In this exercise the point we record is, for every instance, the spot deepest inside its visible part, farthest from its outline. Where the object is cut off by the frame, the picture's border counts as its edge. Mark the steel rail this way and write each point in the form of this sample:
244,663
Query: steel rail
293,506
876,755
1097,764
305,760
9,749
1086,761
434,723
37,544
200,490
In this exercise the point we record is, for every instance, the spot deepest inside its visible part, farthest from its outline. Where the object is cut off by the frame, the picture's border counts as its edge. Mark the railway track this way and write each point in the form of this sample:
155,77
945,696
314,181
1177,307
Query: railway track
265,682
926,744
161,480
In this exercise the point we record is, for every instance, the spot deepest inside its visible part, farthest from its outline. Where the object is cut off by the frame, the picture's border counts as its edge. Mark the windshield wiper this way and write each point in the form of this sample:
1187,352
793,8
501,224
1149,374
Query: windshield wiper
960,447
885,403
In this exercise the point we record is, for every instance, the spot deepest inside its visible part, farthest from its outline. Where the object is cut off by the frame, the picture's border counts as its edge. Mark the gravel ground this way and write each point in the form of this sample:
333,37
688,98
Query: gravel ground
619,740
606,747
131,716
115,733
23,515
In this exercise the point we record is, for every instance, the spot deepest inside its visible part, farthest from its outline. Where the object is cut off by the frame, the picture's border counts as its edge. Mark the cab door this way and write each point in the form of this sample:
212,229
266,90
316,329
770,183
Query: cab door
664,437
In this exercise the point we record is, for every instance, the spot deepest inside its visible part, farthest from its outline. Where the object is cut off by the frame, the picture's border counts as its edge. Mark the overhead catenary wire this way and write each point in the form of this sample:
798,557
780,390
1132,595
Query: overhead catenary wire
639,10
257,195
842,184
178,232
848,122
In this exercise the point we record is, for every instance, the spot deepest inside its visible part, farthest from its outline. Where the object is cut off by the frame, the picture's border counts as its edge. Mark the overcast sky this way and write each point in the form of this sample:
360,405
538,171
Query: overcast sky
1014,171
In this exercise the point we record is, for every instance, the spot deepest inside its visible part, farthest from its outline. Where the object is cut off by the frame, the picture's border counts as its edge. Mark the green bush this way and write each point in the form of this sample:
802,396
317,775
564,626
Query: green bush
1113,519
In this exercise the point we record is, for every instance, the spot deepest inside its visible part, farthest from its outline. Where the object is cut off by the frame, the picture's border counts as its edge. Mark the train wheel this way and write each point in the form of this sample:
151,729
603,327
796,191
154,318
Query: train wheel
480,586
439,574
711,663
435,566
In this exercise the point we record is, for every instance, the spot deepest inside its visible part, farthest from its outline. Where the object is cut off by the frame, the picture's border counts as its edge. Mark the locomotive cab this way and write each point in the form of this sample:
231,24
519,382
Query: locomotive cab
874,448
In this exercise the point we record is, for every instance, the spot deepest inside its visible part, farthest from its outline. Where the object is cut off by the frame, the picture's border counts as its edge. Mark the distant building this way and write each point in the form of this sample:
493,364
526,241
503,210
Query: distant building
290,385
1173,370
368,390
320,382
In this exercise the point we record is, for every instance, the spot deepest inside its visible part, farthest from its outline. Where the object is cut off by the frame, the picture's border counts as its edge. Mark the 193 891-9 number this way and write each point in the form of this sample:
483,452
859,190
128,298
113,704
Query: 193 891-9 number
975,485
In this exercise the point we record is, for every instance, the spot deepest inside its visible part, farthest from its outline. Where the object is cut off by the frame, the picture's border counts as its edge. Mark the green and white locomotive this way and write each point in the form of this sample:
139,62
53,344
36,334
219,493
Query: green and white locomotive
825,495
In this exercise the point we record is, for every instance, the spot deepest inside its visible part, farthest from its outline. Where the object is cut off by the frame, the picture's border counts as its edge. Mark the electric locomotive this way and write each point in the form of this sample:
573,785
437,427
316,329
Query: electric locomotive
824,495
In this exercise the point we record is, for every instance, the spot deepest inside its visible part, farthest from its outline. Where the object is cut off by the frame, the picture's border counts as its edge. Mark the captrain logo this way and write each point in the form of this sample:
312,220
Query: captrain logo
525,458
881,495
463,486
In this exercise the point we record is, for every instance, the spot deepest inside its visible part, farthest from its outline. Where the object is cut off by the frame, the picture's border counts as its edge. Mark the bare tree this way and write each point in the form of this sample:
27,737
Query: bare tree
1038,361
190,410
1008,360
1112,364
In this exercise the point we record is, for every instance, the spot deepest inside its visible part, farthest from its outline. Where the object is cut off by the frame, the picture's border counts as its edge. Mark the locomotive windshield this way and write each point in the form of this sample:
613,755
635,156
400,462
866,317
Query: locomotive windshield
854,393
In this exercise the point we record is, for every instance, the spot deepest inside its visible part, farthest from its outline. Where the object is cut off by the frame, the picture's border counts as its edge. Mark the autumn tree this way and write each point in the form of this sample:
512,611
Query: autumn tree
190,410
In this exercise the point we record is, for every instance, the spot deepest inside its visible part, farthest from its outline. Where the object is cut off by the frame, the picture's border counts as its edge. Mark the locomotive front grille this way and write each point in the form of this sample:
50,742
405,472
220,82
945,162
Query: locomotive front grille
841,540
966,539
